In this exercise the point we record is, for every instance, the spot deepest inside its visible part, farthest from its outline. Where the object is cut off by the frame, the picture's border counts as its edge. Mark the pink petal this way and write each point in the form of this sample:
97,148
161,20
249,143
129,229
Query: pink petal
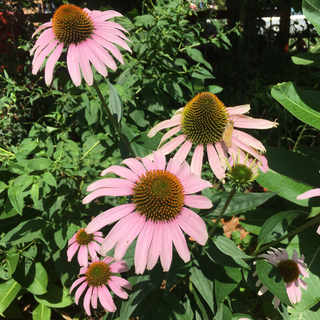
110,182
112,38
76,283
193,225
86,301
109,217
129,234
318,230
93,248
102,192
80,291
43,26
121,282
173,166
72,250
155,246
239,109
84,63
241,121
302,283
73,65
294,292
103,15
83,256
142,247
159,160
197,159
249,140
166,247
276,302
48,73
193,184
38,60
106,299
42,42
309,194
169,134
197,201
148,164
122,172
135,166
215,162
174,121
172,144
183,151
116,233
73,239
184,171
223,155
117,290
119,267
94,298
246,148
179,241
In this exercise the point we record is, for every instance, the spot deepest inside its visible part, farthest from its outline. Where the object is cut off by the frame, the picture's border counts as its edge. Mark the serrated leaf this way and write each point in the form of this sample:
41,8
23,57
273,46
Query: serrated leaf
8,291
303,104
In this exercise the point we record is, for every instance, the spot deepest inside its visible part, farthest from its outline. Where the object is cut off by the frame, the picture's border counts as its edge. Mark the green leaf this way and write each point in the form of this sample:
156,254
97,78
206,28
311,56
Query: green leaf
228,247
12,262
142,285
115,103
41,312
271,278
303,104
56,297
26,231
3,186
203,285
290,178
241,202
35,281
49,179
8,291
307,59
92,112
311,9
34,193
197,56
38,164
226,279
16,199
276,226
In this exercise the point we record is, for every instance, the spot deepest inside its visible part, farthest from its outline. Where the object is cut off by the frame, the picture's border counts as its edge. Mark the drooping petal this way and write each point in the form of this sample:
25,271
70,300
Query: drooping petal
72,250
122,172
309,194
197,159
117,290
172,144
119,267
86,301
73,65
179,241
166,247
215,162
294,292
155,247
106,299
135,166
110,182
183,151
174,121
193,184
197,201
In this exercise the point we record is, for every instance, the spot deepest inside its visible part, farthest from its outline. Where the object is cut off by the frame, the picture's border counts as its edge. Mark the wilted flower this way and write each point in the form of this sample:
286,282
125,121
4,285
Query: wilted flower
84,242
95,278
87,36
206,122
290,270
157,211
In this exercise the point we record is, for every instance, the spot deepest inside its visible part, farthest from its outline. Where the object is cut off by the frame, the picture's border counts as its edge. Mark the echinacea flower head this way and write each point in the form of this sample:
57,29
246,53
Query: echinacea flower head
290,269
95,279
88,37
86,243
157,212
242,174
206,123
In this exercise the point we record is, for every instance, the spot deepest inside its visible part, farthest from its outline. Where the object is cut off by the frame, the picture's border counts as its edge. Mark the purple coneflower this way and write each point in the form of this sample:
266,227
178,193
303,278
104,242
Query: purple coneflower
206,122
87,36
84,241
95,279
157,211
290,270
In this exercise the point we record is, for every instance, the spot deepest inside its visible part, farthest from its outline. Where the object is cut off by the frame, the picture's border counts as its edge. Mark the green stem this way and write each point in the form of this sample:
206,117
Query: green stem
296,144
8,152
290,234
231,194
115,124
